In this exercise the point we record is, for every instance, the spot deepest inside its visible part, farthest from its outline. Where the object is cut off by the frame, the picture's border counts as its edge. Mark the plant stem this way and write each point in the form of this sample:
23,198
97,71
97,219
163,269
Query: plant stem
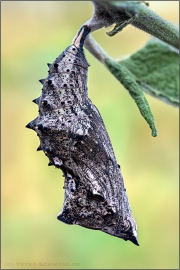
135,13
151,23
95,49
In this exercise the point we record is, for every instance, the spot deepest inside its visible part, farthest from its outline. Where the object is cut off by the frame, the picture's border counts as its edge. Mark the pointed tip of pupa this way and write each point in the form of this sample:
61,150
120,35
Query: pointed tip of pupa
134,240
42,81
49,65
36,100
30,125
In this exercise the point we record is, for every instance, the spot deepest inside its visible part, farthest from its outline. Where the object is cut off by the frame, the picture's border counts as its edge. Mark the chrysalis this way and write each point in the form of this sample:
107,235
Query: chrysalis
74,138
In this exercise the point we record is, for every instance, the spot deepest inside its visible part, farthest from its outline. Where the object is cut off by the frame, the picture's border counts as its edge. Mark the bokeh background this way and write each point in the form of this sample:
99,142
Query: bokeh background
33,34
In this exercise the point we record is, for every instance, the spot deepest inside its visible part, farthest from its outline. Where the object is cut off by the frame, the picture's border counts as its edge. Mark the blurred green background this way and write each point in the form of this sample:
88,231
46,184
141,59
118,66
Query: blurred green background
33,34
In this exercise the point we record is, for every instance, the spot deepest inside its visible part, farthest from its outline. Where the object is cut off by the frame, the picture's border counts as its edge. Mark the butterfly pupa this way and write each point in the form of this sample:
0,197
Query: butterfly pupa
73,136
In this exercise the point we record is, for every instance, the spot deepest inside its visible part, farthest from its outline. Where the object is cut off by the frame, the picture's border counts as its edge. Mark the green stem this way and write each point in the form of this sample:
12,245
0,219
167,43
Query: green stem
151,23
137,14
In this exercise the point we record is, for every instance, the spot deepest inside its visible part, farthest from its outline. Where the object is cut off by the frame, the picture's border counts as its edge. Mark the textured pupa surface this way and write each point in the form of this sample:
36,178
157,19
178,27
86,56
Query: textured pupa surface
73,136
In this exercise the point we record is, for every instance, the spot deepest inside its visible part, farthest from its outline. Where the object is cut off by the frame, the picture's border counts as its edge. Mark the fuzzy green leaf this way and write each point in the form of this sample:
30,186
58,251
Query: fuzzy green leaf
129,82
156,70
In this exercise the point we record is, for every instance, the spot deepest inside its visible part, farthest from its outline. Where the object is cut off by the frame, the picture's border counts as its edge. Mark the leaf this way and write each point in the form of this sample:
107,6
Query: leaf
129,82
156,70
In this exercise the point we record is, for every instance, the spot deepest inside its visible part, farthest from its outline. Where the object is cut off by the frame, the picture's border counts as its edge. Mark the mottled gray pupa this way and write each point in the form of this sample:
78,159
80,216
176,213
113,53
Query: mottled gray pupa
73,136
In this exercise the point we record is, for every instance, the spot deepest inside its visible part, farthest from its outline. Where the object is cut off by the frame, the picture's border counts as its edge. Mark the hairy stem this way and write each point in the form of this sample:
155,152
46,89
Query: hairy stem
151,23
135,13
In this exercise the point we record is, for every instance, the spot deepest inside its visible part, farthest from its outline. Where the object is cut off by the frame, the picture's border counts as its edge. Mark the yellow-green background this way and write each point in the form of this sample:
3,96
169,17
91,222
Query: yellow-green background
34,33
